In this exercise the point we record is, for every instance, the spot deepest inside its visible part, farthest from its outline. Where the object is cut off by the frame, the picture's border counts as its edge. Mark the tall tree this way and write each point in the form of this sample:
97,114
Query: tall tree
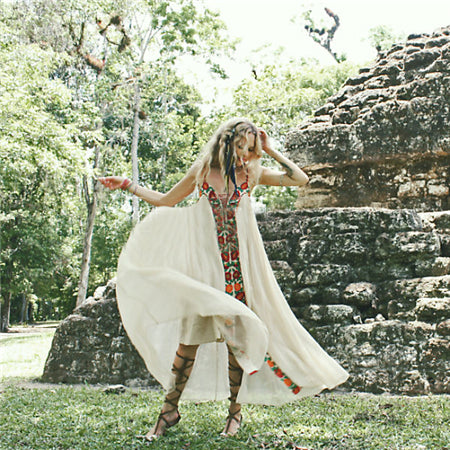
105,52
41,156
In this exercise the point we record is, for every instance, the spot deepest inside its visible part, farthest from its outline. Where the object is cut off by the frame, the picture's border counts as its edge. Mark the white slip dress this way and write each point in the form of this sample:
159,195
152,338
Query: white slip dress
200,275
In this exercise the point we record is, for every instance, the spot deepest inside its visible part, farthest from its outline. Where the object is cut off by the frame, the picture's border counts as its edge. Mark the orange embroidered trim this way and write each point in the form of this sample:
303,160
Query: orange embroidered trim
283,377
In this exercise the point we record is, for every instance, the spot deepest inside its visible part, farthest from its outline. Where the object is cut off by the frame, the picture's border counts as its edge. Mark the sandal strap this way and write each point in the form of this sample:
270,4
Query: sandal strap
234,376
234,368
187,364
185,358
231,417
167,422
182,374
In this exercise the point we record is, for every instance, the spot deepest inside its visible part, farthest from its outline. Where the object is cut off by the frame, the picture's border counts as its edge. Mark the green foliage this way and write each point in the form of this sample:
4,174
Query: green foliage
383,37
281,97
60,109
41,155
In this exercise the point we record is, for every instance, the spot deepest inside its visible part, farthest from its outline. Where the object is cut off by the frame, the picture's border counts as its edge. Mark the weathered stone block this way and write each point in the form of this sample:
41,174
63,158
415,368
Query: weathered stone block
437,349
412,289
310,251
304,296
439,190
324,274
401,310
277,250
285,276
331,294
445,244
91,346
349,248
361,294
387,269
415,383
412,189
432,309
326,314
443,328
415,332
407,244
433,267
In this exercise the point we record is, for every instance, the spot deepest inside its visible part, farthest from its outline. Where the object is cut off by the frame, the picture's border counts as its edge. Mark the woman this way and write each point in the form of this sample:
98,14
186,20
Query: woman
197,295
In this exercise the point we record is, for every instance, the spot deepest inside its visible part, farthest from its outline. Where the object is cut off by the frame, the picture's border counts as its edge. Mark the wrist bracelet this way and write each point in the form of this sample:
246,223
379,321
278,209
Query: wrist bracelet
132,187
125,184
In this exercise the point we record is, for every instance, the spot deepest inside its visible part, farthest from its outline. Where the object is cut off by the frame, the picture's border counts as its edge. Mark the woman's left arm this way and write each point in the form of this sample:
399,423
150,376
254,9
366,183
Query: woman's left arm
291,175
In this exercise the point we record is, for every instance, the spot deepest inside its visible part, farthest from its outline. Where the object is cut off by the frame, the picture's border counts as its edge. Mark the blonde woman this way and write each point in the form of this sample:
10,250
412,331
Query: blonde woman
197,295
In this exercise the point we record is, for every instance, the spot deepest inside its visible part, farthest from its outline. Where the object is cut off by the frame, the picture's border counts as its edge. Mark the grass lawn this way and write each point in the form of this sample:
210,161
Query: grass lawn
33,416
23,352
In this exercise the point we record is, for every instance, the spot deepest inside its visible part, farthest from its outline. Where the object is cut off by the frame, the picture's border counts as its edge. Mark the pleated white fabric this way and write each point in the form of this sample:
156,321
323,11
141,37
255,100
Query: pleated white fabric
170,280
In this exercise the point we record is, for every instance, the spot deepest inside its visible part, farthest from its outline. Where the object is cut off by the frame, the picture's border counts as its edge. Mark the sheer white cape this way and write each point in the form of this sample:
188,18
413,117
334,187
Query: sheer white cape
170,273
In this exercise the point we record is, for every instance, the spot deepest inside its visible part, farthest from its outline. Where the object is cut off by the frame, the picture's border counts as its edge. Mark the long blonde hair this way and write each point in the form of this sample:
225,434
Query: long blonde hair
221,147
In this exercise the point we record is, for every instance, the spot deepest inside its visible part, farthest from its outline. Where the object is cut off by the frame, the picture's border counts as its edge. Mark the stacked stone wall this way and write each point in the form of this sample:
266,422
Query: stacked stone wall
372,286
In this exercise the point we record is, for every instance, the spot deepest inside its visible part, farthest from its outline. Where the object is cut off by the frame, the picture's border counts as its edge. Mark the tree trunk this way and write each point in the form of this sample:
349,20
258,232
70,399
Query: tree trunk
91,203
86,261
134,149
24,309
5,311
164,133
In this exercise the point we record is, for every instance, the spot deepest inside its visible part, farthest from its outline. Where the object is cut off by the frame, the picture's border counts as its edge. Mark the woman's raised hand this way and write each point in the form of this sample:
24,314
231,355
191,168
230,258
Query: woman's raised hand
264,140
112,182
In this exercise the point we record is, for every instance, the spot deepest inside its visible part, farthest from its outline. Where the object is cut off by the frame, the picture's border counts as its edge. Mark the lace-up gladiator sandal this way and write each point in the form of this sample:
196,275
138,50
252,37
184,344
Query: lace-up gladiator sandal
171,400
234,412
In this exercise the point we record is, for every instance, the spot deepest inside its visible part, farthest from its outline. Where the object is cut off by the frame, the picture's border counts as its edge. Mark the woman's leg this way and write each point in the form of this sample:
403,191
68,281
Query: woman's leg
182,368
234,412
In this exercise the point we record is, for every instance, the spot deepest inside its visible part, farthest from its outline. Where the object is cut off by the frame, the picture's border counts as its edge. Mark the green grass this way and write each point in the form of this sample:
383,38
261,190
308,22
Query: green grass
23,355
84,417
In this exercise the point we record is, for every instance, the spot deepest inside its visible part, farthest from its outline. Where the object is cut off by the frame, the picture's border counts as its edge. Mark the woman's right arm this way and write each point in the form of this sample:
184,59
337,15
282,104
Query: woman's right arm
180,191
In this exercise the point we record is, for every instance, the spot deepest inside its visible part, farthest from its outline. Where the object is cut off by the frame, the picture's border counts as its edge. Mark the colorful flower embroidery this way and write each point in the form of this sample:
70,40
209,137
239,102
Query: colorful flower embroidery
283,377
224,210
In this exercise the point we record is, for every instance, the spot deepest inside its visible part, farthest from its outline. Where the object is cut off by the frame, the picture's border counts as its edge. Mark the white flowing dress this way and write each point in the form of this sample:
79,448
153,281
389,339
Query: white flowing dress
177,282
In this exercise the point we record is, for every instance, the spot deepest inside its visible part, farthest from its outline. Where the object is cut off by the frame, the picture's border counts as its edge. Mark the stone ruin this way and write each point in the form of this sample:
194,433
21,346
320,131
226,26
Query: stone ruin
384,139
365,260
91,346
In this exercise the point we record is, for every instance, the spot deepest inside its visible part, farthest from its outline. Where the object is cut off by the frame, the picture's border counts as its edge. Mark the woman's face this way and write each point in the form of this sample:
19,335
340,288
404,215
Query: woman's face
245,149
